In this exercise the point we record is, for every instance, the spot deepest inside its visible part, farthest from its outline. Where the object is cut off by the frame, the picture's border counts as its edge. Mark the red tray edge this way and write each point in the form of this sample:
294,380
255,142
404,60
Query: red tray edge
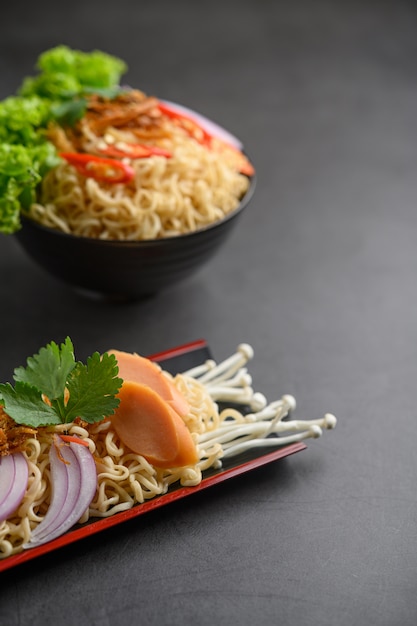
140,509
101,524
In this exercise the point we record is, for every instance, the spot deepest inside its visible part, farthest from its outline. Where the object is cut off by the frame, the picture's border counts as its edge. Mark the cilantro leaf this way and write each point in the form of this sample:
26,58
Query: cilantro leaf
25,405
49,369
54,388
92,389
68,112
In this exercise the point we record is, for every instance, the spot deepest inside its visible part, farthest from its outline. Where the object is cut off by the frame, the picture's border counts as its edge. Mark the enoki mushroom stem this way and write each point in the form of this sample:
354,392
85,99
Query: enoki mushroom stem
259,423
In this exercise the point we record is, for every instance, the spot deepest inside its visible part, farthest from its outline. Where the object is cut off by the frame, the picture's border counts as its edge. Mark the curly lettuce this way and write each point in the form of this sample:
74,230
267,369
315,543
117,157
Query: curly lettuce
56,95
67,73
22,118
21,170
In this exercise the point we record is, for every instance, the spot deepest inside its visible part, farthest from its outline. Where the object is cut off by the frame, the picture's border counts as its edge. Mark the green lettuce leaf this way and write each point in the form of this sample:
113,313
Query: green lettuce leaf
56,94
22,118
65,73
21,170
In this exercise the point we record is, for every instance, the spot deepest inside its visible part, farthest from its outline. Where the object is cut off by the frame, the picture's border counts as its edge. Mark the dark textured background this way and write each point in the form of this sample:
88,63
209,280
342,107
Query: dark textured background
320,277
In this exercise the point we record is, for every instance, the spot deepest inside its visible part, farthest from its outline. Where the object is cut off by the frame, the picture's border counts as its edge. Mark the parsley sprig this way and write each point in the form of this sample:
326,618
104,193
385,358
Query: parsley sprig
54,388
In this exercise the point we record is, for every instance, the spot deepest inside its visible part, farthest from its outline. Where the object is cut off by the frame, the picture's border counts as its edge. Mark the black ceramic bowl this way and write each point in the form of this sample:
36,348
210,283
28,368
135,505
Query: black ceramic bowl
125,270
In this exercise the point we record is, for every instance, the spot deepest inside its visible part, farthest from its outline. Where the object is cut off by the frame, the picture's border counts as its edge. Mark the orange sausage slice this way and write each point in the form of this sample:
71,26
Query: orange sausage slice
136,368
149,426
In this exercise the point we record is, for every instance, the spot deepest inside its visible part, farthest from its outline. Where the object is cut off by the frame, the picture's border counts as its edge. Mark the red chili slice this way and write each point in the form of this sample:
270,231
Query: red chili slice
188,123
99,168
202,136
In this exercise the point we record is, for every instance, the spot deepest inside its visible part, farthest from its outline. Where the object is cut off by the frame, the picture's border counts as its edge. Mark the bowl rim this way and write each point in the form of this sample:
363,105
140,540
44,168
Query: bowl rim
25,219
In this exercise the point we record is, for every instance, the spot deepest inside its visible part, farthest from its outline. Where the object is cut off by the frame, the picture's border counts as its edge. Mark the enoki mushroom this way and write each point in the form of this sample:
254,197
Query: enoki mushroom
252,422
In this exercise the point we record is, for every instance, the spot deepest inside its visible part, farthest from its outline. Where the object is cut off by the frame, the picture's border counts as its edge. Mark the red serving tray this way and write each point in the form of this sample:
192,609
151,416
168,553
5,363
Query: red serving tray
175,360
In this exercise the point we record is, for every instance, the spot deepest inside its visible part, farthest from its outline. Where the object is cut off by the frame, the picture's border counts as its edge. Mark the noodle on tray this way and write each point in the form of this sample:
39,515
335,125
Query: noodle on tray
219,430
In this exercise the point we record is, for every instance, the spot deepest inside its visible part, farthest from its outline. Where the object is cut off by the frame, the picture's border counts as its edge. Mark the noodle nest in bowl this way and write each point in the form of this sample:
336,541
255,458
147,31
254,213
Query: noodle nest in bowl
194,188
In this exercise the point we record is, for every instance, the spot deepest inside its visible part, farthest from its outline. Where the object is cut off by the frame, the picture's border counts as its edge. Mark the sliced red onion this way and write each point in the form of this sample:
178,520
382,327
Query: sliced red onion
73,485
63,491
14,473
211,127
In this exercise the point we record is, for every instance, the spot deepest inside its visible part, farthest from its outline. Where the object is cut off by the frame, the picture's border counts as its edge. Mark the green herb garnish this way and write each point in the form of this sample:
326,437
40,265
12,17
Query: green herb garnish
65,73
58,93
54,388
21,170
